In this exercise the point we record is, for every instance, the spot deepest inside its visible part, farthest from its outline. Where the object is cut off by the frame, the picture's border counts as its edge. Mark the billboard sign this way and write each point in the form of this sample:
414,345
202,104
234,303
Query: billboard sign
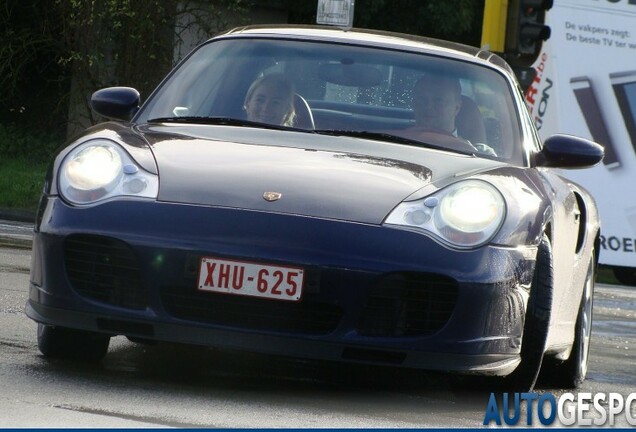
585,85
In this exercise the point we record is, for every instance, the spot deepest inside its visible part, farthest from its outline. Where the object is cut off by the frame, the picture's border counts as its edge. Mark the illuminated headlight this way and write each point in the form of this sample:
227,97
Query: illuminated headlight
100,169
465,214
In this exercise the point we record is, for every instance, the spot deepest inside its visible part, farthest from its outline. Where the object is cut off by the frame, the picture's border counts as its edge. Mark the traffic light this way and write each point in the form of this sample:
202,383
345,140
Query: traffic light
526,30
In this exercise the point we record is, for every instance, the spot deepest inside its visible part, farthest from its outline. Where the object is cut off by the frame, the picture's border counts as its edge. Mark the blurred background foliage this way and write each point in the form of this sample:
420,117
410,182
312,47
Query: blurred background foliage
56,53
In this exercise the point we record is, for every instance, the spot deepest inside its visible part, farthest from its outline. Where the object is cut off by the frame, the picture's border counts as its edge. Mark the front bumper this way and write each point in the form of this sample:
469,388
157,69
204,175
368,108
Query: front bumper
372,294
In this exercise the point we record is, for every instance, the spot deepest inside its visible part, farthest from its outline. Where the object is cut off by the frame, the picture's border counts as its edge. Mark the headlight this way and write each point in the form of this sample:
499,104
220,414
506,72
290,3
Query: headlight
465,214
100,169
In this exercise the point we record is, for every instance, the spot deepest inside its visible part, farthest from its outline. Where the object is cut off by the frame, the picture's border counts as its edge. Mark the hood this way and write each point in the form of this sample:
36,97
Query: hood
201,165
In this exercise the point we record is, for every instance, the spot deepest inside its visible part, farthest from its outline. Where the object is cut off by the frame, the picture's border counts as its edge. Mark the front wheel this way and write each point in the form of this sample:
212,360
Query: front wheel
537,322
66,343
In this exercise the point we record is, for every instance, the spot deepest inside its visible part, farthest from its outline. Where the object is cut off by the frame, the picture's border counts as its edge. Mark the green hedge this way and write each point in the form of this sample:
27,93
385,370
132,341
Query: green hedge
15,143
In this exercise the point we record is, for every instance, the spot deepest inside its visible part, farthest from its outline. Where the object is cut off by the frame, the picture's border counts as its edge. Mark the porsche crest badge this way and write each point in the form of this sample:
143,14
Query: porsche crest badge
272,196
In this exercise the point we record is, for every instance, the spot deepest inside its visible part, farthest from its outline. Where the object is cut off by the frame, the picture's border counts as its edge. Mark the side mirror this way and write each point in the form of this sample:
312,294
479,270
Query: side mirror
120,103
568,151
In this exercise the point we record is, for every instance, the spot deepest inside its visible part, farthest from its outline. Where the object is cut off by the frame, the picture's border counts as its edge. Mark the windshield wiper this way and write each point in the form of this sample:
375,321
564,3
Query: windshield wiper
384,136
224,121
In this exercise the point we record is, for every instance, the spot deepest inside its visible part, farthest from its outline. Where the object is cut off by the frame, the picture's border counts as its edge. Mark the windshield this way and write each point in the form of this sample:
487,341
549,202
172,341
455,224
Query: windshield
342,89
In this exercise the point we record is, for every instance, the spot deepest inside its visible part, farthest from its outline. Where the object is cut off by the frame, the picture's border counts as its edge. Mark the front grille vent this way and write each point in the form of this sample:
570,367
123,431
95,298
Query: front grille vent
408,304
104,269
307,316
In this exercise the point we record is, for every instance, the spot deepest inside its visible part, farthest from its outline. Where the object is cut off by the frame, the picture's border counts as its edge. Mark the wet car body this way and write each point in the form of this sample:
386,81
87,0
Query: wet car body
319,204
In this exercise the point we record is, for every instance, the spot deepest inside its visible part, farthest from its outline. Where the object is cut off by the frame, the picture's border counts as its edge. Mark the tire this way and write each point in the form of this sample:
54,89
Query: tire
65,343
571,373
537,322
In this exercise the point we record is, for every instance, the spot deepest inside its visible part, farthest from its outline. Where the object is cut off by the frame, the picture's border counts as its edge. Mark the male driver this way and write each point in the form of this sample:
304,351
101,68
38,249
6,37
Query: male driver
437,100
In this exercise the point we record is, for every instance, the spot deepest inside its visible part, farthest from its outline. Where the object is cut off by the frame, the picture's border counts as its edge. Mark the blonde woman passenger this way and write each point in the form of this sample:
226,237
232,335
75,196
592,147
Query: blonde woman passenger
270,99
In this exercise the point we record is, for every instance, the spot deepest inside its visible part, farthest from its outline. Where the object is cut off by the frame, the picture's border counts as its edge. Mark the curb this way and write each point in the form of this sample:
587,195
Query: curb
17,215
18,238
11,242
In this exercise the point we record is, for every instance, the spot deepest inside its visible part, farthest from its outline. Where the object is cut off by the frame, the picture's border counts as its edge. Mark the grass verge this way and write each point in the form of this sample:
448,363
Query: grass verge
606,275
21,182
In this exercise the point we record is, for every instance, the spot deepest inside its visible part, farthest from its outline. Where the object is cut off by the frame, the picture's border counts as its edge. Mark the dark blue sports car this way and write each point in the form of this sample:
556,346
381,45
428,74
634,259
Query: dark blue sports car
353,196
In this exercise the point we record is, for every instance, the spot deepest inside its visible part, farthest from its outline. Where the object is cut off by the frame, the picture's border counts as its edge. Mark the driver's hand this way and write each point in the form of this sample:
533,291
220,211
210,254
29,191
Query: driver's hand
485,149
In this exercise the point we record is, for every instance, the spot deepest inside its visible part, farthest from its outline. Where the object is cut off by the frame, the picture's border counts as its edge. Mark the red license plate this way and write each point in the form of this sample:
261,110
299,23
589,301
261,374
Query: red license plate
250,279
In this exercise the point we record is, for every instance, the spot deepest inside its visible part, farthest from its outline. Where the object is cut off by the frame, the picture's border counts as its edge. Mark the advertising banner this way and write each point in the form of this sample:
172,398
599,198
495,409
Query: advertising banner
586,86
